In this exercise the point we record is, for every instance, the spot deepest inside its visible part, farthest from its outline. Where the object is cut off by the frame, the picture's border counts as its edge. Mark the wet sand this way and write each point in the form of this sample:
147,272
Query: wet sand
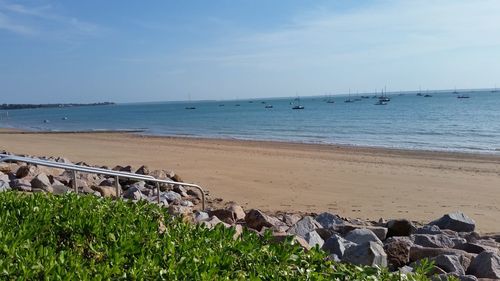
356,182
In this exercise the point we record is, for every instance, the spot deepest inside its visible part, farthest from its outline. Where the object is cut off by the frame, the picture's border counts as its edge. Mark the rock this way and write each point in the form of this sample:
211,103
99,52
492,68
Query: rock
326,233
133,193
201,216
4,177
398,250
213,221
143,170
257,220
380,232
127,169
337,245
433,240
224,215
238,230
181,190
476,248
428,229
238,212
21,185
41,181
291,219
4,186
59,189
327,220
485,265
362,235
449,263
418,253
368,253
194,193
171,196
456,221
173,176
24,171
107,182
304,226
280,237
400,227
406,269
314,239
177,210
187,203
106,191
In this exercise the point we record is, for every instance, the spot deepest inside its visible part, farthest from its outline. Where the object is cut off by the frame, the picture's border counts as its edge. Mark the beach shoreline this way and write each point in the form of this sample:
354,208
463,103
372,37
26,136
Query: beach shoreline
353,181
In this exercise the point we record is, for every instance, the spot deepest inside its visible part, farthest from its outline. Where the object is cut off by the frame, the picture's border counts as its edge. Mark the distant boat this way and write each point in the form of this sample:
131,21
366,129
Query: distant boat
263,102
455,91
427,96
298,106
330,101
269,106
365,97
250,101
349,100
64,118
237,104
46,121
380,102
221,104
463,97
190,106
419,94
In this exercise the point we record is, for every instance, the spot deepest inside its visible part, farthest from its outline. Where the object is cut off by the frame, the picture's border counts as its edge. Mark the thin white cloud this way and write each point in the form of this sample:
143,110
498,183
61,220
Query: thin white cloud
34,16
8,25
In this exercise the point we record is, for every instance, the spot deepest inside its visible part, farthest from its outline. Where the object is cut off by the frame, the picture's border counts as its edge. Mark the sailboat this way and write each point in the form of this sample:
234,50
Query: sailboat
190,106
330,100
495,89
384,97
298,106
349,99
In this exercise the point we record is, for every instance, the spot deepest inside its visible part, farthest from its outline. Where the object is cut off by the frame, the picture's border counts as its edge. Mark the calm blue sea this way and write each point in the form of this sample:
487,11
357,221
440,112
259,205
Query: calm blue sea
441,122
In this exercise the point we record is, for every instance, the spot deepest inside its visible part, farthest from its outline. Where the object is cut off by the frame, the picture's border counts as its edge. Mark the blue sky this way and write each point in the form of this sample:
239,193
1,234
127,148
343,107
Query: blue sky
86,51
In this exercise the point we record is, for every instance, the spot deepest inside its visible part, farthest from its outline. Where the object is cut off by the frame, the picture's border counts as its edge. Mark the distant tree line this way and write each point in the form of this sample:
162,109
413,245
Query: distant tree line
6,106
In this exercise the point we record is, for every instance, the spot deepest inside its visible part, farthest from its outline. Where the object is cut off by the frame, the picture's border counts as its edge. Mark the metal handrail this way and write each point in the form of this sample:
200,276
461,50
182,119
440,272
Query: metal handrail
91,170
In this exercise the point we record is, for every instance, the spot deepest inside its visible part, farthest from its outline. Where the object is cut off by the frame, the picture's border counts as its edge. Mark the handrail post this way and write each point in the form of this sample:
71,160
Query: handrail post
117,186
75,185
158,192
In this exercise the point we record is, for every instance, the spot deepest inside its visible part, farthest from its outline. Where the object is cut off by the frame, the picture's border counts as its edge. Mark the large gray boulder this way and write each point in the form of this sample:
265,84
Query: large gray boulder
485,265
304,226
256,219
314,239
456,221
362,235
328,220
433,240
41,181
450,263
337,245
400,227
368,253
379,231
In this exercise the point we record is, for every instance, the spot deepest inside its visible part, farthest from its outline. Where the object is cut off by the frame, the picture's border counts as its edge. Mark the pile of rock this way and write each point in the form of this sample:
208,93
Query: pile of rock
33,178
450,242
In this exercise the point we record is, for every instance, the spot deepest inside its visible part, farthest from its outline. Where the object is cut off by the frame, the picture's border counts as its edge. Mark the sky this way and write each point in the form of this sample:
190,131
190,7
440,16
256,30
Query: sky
139,51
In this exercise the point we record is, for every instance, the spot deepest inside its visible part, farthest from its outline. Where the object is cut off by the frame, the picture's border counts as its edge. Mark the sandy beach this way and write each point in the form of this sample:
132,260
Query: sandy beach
366,183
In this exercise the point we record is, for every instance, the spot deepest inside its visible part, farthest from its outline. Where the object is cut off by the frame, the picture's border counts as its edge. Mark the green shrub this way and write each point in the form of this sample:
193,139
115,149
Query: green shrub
70,237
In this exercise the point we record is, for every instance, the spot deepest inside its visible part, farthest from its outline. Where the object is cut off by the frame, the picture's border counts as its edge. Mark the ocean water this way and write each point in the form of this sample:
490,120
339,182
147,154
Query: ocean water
441,122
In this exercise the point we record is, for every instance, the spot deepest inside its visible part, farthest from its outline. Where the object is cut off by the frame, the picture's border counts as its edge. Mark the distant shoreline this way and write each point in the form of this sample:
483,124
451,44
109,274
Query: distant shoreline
14,106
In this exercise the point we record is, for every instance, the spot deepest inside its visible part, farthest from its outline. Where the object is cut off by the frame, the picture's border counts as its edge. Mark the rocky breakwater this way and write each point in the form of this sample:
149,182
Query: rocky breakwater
450,242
